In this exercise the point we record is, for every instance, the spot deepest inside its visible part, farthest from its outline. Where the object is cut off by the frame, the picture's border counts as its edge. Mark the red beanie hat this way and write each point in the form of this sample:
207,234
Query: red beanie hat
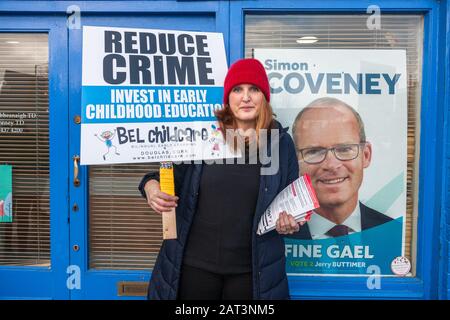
246,71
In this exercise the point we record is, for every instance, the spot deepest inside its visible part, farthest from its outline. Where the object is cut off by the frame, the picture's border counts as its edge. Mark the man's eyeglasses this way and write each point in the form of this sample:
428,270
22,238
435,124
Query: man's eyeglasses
343,152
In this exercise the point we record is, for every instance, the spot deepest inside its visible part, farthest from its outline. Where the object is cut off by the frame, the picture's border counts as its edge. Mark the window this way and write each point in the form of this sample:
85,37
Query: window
341,31
24,145
124,232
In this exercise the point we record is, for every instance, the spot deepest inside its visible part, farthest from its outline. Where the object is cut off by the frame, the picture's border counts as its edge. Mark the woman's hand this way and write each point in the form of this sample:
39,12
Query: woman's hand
158,200
286,224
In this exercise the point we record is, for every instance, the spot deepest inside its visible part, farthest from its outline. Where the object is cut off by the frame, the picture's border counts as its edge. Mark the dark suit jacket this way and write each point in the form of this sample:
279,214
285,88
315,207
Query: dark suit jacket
369,218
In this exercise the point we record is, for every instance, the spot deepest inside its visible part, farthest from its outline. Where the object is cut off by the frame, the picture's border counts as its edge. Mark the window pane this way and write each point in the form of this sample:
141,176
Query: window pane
124,233
351,32
24,144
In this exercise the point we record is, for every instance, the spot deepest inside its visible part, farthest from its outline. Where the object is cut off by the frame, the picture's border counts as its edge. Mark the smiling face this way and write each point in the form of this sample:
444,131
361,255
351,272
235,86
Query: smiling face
246,102
336,182
106,135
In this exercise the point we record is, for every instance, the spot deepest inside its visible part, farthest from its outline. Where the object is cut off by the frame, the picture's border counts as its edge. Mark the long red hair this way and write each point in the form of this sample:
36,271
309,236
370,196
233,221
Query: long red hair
264,120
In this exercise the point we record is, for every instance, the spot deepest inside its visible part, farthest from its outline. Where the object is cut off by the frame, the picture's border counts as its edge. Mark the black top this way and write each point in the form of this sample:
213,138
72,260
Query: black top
220,238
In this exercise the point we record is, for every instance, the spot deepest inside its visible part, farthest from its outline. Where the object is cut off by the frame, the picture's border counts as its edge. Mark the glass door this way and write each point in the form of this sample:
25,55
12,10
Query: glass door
33,160
116,234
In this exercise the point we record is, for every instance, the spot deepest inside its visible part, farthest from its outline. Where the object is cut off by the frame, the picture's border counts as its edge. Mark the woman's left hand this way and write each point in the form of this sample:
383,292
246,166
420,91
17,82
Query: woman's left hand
286,224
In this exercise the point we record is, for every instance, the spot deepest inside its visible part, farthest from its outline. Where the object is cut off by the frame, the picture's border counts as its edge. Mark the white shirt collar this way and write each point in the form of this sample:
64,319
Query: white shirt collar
319,226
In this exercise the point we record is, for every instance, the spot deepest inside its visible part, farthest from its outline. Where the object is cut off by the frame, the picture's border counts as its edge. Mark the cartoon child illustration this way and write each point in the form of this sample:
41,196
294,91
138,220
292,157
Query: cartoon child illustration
214,140
106,137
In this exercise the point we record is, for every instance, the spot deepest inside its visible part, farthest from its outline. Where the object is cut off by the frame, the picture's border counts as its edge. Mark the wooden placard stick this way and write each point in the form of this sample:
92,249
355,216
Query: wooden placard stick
167,184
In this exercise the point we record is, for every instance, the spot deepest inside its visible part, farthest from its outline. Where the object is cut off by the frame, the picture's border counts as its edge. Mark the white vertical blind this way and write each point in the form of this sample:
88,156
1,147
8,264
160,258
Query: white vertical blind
343,31
24,144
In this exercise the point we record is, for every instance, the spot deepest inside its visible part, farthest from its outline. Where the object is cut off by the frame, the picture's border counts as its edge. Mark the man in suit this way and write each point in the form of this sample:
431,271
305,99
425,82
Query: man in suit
332,148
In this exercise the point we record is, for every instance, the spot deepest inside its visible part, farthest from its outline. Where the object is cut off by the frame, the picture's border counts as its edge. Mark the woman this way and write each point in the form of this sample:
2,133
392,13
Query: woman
218,254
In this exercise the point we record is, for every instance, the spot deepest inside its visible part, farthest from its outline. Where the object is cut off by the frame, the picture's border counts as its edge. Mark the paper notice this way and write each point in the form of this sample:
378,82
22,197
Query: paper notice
297,199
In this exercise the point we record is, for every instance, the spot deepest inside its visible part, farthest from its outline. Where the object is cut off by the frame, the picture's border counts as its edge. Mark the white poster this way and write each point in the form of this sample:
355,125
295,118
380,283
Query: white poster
362,181
150,95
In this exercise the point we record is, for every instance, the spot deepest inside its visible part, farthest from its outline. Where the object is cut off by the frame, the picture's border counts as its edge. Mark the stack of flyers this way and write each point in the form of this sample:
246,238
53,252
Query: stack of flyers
297,199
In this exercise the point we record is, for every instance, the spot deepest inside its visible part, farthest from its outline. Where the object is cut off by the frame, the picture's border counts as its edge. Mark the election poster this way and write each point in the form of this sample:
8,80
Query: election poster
351,140
150,95
6,214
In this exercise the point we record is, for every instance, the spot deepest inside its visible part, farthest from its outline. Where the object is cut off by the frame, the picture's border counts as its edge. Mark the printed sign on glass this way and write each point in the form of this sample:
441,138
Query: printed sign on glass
6,213
352,141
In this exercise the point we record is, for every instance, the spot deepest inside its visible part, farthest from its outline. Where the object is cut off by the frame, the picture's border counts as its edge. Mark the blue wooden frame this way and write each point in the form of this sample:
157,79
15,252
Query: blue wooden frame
42,282
433,207
444,101
425,284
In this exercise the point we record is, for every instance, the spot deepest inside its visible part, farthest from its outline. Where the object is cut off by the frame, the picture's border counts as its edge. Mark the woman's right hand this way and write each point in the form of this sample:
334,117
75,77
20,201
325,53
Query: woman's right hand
158,200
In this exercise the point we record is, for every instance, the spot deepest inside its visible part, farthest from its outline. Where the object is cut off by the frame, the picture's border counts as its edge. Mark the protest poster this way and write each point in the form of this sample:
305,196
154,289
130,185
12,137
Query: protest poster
374,84
150,95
